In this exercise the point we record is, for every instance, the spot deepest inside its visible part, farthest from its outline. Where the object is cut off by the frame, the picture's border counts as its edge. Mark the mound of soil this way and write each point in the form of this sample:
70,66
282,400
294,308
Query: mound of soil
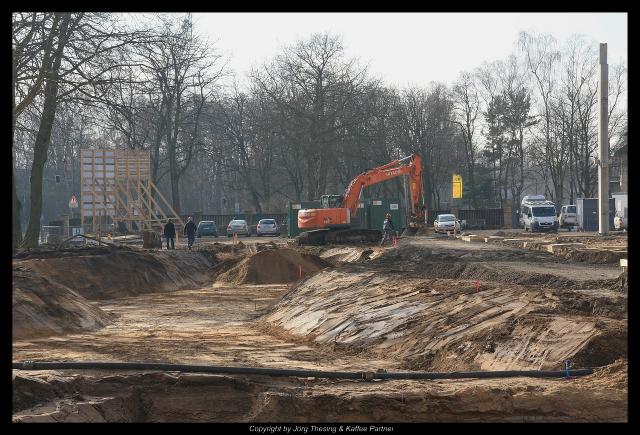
43,307
435,307
273,266
49,251
518,235
350,254
622,283
595,256
614,375
424,231
609,345
119,272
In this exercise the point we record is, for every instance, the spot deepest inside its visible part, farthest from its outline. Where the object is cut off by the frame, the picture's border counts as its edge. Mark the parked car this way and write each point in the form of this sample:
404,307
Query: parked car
267,227
207,228
238,226
568,216
445,223
619,222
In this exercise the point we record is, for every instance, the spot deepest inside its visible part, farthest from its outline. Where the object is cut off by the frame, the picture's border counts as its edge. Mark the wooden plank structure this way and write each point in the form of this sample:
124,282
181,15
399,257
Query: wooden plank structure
117,187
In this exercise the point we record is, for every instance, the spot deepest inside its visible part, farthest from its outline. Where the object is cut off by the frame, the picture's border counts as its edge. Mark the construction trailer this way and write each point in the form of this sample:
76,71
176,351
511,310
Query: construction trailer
587,213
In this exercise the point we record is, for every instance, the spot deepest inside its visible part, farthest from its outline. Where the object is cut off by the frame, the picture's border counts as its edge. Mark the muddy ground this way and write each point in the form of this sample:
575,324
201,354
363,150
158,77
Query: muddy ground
431,304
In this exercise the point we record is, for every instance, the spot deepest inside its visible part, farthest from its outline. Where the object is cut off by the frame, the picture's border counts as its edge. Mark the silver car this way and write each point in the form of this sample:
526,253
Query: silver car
238,226
267,227
445,223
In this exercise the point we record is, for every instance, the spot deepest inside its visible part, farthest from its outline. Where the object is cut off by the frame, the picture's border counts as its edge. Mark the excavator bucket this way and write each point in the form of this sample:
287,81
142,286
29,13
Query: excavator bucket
409,231
414,225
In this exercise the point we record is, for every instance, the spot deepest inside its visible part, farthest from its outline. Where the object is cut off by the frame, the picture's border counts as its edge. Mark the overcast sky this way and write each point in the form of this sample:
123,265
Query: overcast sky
405,48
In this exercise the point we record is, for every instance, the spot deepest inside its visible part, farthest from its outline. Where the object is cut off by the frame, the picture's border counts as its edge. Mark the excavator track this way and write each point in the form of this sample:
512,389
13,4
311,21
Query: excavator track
312,237
338,236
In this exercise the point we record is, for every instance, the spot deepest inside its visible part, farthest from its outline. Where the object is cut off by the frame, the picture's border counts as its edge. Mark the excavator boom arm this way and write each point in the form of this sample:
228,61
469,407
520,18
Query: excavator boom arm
411,165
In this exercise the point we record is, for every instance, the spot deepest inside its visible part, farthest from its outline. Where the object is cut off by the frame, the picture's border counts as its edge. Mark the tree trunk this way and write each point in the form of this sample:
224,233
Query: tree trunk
17,211
17,206
172,141
174,178
41,145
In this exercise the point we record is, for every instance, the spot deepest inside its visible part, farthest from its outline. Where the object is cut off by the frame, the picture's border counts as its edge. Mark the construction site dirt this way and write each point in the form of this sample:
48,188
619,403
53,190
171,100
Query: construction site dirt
429,304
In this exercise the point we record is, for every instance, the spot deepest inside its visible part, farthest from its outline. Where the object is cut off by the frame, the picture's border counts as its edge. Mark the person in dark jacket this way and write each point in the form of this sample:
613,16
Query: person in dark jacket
170,234
190,231
387,229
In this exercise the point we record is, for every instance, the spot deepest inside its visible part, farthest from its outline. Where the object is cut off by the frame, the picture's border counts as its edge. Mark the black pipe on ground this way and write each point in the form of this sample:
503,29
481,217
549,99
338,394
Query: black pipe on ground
188,368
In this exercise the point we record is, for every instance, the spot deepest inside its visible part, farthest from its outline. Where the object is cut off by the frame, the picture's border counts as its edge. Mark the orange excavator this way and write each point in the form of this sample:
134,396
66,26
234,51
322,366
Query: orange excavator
333,222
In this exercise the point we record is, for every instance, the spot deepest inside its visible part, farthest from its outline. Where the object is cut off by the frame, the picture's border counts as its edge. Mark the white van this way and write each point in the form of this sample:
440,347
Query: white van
538,214
568,216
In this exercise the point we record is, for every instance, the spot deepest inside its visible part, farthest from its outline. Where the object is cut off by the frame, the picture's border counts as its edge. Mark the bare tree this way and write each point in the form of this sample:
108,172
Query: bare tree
63,25
467,108
542,58
312,85
182,71
72,64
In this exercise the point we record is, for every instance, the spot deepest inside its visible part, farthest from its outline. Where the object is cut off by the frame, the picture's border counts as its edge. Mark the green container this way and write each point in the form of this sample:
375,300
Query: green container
378,209
361,220
293,214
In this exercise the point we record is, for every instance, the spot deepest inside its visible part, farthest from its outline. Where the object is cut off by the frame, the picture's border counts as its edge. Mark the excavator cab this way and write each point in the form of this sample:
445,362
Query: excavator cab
331,201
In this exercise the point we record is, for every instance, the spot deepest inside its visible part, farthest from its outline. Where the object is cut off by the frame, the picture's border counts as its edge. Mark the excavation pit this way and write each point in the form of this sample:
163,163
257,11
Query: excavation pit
426,305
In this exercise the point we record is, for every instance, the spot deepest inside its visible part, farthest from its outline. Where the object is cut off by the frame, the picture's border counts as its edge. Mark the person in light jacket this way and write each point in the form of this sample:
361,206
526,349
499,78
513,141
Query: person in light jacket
387,229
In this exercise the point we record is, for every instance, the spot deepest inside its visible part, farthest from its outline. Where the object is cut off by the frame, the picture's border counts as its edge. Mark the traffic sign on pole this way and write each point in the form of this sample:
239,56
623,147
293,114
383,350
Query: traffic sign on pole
457,186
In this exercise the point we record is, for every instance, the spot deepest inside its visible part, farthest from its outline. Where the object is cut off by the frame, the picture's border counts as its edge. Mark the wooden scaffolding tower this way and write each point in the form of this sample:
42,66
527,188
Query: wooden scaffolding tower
117,189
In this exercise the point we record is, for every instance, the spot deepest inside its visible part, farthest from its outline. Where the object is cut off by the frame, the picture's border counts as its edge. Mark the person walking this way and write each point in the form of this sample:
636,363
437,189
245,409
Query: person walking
190,232
387,229
170,234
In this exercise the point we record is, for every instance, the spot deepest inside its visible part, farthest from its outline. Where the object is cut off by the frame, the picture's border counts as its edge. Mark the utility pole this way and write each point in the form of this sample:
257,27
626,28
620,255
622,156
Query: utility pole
603,143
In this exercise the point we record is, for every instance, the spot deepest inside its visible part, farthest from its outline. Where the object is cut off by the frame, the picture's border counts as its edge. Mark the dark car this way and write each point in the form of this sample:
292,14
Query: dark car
207,228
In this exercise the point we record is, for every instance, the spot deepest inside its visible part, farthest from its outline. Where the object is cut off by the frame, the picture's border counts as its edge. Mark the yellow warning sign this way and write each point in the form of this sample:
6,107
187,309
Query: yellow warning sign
457,186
